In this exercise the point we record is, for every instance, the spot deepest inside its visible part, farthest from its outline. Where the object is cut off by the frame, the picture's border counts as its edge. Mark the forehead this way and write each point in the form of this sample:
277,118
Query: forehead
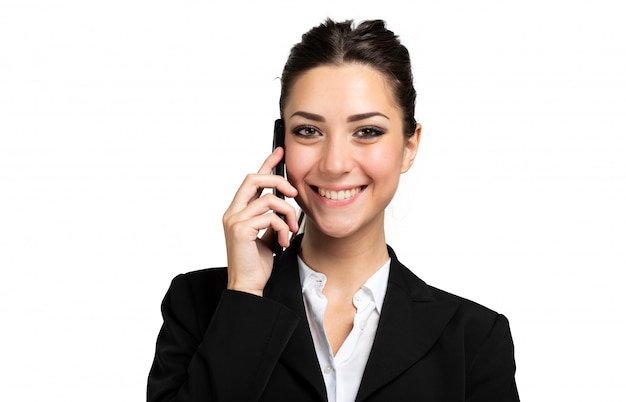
353,88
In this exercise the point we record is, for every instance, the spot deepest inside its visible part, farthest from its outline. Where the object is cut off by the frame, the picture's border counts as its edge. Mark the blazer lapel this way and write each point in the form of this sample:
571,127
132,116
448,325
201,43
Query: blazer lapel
284,287
410,323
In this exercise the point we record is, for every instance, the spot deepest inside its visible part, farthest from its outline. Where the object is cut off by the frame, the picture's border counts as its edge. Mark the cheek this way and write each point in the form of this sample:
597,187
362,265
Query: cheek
297,163
382,161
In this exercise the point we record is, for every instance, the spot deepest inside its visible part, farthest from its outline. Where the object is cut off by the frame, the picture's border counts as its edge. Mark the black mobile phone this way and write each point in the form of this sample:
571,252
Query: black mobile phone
279,169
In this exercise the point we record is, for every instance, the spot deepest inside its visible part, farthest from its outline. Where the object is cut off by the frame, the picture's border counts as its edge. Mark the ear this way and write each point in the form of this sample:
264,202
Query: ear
410,148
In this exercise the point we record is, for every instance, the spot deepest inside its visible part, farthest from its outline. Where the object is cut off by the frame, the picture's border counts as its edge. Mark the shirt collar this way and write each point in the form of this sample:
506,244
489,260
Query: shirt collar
376,284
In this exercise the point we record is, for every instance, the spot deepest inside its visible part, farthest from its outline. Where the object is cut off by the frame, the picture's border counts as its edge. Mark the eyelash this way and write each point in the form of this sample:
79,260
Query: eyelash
363,132
297,131
373,132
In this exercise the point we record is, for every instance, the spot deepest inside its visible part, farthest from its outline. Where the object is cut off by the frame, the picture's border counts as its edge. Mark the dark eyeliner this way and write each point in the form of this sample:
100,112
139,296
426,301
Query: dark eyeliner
296,131
374,132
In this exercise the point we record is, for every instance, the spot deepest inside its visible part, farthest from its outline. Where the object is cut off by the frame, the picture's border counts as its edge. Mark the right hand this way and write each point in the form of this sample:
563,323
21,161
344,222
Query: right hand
250,258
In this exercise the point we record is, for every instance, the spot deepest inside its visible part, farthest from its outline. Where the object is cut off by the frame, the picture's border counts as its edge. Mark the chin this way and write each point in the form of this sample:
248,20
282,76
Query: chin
340,229
330,227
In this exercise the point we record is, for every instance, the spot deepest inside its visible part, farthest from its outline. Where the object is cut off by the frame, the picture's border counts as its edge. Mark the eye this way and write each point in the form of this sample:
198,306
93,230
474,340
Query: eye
306,131
369,132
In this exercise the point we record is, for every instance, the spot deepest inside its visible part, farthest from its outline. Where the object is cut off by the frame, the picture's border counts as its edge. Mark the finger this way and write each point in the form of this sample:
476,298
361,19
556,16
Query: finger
265,204
249,230
281,235
254,184
272,161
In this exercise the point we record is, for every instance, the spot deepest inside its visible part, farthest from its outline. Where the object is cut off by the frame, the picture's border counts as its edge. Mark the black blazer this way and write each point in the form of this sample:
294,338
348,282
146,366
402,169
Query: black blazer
222,345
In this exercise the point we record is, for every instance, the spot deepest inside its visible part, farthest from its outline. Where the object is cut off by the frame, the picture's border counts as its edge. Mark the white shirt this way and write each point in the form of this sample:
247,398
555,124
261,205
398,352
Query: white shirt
343,372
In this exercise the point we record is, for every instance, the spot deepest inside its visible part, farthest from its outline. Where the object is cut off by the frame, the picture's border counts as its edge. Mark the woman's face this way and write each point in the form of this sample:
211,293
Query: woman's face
345,149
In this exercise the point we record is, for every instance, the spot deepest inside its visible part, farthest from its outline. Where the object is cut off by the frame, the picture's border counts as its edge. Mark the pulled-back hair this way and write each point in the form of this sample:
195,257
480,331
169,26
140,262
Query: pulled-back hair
369,43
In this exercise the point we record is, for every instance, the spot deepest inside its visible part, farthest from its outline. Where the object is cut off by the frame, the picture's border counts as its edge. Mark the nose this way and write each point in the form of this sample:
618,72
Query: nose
337,156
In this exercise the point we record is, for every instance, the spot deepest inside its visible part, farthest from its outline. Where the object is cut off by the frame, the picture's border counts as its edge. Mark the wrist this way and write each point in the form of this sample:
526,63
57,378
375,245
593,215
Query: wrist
243,288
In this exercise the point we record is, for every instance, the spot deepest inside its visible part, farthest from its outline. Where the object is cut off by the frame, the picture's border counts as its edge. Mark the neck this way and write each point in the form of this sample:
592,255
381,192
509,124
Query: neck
346,261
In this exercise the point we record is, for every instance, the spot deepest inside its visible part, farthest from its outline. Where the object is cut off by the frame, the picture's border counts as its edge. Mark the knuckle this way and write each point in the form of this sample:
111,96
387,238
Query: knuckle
238,229
226,216
230,220
267,197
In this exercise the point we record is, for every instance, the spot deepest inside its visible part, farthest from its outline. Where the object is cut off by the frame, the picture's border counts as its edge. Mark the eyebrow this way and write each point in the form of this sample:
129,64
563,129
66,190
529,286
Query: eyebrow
363,116
353,118
310,116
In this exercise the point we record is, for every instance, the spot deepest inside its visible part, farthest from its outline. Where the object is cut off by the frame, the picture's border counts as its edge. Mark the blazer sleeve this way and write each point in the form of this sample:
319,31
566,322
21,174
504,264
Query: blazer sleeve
491,376
230,359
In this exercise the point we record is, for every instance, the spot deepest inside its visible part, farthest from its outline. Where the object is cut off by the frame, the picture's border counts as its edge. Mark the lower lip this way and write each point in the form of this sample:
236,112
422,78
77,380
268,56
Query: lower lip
338,203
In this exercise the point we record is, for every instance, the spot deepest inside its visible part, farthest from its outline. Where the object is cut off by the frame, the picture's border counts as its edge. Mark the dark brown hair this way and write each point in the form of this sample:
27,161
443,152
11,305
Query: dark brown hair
369,43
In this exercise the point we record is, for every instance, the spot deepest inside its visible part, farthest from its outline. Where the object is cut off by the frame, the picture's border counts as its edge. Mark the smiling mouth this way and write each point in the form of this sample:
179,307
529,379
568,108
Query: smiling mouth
339,195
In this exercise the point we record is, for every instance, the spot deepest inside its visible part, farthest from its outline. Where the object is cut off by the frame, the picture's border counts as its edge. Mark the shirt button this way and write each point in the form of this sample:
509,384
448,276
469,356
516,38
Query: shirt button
358,296
362,324
328,370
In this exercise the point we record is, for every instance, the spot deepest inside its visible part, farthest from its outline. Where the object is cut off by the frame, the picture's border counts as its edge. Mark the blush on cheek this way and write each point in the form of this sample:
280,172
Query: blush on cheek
297,162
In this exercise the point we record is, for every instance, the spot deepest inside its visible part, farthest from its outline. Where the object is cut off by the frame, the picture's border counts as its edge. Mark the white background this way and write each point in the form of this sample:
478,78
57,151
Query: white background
126,127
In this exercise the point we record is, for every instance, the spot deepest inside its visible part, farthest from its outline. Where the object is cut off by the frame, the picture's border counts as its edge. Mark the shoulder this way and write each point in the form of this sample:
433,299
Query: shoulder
477,330
469,310
195,295
204,279
470,319
475,321
200,282
484,337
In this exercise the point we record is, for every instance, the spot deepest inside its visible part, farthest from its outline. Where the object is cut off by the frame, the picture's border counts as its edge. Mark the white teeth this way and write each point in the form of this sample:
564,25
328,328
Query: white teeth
338,195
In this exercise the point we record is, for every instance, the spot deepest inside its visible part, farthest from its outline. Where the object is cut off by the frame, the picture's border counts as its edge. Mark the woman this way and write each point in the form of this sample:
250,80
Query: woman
336,317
